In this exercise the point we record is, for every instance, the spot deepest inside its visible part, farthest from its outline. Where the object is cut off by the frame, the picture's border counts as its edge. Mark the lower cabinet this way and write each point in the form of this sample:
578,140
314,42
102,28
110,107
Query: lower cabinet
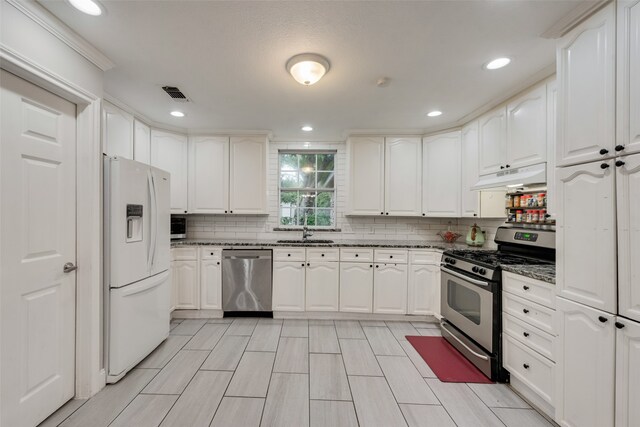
390,289
356,287
423,294
288,286
627,373
211,284
184,279
322,286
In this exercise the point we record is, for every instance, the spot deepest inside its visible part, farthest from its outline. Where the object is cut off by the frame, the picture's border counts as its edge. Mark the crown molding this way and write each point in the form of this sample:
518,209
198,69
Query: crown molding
62,32
573,18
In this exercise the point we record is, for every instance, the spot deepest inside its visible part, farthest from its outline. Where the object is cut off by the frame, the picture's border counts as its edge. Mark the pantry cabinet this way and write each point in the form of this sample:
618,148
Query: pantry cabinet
492,130
141,142
169,152
248,175
470,199
403,176
117,131
552,102
527,129
441,184
586,66
322,286
627,373
185,281
586,234
628,80
356,287
366,175
390,288
289,286
208,175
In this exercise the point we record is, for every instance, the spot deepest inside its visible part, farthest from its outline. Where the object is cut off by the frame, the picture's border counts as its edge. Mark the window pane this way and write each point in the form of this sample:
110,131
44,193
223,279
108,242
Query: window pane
307,199
325,179
310,216
288,199
307,180
325,162
307,162
289,180
288,161
324,217
324,199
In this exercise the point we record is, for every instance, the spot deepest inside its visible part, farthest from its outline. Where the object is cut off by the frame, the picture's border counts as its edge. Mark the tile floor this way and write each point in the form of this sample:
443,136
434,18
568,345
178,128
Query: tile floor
264,372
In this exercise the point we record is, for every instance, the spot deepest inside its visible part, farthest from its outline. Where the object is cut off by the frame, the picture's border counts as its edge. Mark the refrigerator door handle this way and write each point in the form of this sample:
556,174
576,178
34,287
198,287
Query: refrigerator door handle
152,219
155,220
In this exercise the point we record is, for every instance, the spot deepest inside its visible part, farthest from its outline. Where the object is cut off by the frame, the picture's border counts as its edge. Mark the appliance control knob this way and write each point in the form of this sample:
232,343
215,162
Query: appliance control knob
447,260
452,261
483,271
475,269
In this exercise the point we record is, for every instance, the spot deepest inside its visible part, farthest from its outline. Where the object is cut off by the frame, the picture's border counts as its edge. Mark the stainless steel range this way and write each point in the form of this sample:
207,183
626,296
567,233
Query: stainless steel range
471,297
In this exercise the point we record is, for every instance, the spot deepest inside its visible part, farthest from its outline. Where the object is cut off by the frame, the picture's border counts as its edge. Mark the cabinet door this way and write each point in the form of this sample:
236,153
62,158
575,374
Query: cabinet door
288,286
441,172
169,152
403,176
322,286
492,148
586,358
627,374
527,129
141,142
248,175
628,82
117,131
211,284
208,175
552,101
366,176
586,90
424,289
586,234
628,195
469,146
356,287
390,289
186,283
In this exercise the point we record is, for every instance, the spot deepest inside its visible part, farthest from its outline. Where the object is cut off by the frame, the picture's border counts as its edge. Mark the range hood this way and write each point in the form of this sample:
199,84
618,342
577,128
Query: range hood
516,177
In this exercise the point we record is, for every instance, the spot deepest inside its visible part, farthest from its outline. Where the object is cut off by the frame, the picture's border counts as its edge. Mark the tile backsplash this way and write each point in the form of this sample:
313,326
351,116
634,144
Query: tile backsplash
351,228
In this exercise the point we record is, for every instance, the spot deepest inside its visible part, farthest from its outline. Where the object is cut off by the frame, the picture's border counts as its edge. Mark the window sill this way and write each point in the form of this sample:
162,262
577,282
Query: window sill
329,229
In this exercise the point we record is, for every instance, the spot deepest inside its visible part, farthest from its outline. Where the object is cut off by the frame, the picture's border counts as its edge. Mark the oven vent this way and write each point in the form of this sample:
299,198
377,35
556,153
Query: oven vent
175,93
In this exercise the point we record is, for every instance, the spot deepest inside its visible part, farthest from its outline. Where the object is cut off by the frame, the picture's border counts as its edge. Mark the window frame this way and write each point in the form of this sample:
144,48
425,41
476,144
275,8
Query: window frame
333,190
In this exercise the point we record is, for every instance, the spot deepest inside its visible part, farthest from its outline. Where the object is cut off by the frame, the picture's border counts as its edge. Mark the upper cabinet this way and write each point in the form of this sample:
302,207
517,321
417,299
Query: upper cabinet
366,175
208,174
586,90
628,83
248,175
469,143
403,175
141,142
527,129
169,152
117,131
441,177
493,141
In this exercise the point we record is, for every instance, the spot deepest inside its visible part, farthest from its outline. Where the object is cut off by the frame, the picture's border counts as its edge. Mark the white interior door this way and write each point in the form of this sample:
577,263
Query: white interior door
38,236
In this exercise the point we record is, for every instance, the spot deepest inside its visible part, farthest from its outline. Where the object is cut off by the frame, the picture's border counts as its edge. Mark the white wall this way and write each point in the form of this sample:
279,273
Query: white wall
352,228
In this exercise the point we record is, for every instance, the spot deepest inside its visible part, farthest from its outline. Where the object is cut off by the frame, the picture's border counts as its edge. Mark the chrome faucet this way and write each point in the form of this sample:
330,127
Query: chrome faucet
305,230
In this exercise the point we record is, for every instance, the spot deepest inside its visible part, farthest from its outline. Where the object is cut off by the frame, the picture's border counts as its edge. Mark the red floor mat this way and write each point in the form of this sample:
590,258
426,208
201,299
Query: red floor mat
446,362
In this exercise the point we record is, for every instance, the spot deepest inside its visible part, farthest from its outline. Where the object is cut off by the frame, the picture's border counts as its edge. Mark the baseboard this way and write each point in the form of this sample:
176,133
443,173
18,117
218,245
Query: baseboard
197,314
332,315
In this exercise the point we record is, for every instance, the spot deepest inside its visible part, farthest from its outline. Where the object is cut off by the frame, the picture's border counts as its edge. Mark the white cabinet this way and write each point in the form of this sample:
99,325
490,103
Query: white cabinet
492,131
322,283
424,289
470,199
628,81
248,175
117,131
208,175
628,195
390,289
185,281
356,287
366,175
210,283
141,142
527,129
288,286
441,175
552,102
586,90
169,152
586,366
403,175
627,373
586,234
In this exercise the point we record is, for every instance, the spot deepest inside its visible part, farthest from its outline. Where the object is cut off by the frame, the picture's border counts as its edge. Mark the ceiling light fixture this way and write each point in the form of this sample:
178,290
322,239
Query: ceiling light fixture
307,128
435,113
497,63
307,68
177,113
90,7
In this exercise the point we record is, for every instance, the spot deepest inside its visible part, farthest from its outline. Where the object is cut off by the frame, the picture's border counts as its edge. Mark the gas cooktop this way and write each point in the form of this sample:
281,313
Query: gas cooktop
493,259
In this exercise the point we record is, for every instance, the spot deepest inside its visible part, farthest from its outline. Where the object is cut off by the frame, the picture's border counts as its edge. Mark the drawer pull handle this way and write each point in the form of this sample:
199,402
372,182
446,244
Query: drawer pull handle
525,310
525,287
603,319
526,334
525,365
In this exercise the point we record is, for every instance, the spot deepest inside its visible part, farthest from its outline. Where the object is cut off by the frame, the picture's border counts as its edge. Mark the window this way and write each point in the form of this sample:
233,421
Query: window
307,188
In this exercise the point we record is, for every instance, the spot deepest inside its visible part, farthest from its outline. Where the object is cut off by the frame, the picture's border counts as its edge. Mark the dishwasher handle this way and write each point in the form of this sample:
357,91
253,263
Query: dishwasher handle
247,257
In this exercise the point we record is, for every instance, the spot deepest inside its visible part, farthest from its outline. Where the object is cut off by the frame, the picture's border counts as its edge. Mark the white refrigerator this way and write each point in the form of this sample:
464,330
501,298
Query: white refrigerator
137,278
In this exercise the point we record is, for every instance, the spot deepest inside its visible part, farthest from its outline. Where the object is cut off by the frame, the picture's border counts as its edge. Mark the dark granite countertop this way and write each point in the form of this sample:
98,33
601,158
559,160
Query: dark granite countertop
543,272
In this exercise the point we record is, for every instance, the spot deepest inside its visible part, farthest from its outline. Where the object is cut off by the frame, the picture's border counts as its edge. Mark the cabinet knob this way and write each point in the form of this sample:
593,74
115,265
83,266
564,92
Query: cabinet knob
423,214
603,319
381,213
356,255
377,266
619,325
619,147
525,287
308,264
501,167
302,264
508,166
230,211
387,213
604,166
525,365
288,254
225,211
185,211
604,151
475,214
390,256
322,255
526,334
525,310
218,262
619,163
370,265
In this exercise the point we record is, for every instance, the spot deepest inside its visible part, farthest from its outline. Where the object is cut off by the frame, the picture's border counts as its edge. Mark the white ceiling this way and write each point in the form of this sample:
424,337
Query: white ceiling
229,58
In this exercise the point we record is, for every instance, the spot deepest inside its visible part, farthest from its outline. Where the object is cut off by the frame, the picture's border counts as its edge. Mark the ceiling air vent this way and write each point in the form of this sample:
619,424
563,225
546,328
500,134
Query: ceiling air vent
175,93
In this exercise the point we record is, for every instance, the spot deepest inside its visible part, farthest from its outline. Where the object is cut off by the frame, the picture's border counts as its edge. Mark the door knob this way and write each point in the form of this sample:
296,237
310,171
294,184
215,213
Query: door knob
69,267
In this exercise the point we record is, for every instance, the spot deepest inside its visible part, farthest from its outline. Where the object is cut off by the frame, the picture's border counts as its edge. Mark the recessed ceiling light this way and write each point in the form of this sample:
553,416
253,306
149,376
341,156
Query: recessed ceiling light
435,113
177,114
497,63
90,7
307,128
307,68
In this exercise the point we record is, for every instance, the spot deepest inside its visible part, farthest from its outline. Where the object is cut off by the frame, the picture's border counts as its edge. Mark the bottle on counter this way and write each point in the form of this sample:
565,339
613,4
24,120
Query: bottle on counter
509,200
518,216
516,201
542,199
535,216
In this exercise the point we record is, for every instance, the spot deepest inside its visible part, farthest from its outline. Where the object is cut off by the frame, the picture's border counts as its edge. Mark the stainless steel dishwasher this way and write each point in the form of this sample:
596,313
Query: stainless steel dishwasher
246,280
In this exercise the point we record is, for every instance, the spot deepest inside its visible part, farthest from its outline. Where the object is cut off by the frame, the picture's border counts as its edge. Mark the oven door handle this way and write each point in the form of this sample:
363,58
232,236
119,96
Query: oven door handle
462,276
476,354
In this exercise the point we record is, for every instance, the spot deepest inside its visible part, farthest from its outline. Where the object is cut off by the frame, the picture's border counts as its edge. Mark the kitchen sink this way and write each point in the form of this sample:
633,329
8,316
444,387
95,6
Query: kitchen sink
300,241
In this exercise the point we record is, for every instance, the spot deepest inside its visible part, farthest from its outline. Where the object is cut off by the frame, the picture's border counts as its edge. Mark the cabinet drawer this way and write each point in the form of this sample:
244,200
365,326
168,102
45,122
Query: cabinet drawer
289,254
184,254
530,312
531,289
210,253
395,256
356,255
424,257
323,254
534,370
539,341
